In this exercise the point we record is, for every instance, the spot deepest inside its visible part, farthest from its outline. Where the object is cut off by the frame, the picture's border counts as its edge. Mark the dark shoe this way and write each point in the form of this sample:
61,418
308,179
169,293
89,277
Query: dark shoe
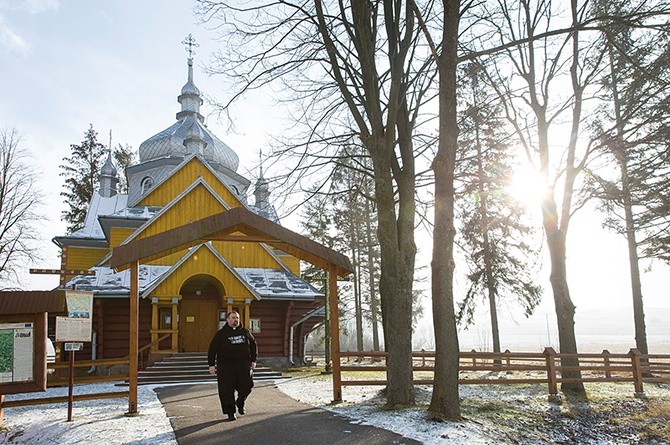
240,407
232,417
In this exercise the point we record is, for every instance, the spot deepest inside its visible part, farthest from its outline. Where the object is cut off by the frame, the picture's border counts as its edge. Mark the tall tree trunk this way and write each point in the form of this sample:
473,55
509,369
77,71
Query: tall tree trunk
621,154
634,265
445,400
396,242
356,255
484,228
372,287
565,309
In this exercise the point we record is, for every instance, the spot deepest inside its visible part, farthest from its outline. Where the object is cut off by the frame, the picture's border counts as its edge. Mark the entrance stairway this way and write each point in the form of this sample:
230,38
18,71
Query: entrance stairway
190,367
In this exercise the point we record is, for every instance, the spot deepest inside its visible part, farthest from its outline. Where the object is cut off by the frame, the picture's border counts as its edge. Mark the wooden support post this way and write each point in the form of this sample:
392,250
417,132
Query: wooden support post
154,323
174,325
247,313
335,335
606,363
133,342
635,357
550,357
70,389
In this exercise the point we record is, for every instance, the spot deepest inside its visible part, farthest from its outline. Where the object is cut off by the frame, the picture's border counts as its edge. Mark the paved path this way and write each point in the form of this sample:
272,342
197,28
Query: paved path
272,418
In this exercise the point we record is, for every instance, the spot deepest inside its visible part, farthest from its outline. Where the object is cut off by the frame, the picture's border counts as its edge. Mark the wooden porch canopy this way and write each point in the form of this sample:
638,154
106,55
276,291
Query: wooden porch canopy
237,224
227,226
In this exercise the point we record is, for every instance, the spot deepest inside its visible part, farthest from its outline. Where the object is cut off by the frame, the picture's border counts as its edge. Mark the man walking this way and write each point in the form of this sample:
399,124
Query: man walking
233,349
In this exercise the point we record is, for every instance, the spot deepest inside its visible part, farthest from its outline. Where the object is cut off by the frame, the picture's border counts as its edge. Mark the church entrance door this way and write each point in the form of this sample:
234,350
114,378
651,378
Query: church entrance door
199,322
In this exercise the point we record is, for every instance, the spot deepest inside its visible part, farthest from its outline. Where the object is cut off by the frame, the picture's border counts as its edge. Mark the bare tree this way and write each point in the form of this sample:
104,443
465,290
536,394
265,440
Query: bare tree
351,67
533,97
19,201
545,80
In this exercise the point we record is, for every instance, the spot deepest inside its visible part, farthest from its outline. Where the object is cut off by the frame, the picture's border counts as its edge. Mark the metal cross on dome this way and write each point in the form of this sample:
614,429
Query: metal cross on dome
190,42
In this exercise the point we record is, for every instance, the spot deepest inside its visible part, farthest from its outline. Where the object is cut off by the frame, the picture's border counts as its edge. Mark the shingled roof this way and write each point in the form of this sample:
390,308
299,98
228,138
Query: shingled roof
33,302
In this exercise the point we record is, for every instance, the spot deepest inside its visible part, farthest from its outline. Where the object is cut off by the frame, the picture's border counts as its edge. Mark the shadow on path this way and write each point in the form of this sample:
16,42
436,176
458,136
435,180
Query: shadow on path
272,418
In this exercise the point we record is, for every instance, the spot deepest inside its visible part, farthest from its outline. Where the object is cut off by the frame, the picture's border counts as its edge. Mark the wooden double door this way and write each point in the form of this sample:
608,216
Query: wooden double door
198,322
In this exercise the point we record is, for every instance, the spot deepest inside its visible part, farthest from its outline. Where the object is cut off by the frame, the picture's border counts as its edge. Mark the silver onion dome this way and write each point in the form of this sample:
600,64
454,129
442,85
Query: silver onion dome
108,168
171,141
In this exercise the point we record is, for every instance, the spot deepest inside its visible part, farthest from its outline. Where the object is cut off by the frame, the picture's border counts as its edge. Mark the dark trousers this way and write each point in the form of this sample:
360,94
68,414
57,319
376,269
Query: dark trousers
231,377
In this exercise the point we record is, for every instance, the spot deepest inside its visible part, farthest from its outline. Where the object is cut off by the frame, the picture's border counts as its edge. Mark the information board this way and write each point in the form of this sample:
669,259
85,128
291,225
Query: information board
78,325
16,352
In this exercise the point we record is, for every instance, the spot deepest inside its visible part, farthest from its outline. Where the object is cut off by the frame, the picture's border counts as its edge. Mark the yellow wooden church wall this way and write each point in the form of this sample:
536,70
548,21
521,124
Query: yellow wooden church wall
208,264
291,262
83,257
180,181
241,254
117,235
197,204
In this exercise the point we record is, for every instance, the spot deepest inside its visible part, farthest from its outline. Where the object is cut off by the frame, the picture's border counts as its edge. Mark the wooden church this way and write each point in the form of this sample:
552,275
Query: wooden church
185,173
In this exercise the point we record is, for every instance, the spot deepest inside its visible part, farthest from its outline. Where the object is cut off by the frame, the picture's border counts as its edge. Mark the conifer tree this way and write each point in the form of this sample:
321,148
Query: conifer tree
633,131
81,171
494,232
123,157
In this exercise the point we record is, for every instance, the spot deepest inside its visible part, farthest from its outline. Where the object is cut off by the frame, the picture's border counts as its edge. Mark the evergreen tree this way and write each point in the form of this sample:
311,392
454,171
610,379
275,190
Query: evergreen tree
123,157
81,173
633,131
493,233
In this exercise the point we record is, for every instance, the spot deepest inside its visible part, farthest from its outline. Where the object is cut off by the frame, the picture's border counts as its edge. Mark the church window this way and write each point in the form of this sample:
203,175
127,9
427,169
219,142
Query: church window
146,184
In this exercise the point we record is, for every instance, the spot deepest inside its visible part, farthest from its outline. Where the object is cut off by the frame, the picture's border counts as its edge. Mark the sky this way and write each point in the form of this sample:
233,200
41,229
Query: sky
120,65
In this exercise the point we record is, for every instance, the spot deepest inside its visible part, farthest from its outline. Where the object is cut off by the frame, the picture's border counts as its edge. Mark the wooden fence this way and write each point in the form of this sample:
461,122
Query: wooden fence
59,378
520,367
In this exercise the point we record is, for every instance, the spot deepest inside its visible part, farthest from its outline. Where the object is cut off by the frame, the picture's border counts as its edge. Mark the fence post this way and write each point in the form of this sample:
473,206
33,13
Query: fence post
550,357
606,360
635,356
508,361
423,357
474,358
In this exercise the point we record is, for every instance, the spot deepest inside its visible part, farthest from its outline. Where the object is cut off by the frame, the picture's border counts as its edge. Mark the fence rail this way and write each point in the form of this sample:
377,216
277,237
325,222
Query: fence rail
520,367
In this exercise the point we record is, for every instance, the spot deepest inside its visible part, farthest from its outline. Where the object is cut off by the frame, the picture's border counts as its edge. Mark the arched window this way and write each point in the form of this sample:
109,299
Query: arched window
146,184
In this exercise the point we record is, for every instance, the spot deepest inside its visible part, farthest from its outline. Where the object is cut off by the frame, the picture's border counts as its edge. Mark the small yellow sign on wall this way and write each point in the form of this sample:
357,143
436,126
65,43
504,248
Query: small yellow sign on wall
190,319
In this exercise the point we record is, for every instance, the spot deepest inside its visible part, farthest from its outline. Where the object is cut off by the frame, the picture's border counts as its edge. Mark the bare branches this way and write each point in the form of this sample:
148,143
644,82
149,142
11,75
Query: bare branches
19,200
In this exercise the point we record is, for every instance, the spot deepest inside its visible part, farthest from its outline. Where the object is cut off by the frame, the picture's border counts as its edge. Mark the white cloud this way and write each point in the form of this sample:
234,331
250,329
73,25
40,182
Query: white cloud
11,41
32,6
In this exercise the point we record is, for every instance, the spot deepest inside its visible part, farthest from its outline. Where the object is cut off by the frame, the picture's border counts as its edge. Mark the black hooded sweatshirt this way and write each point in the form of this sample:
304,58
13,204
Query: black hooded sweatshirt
231,344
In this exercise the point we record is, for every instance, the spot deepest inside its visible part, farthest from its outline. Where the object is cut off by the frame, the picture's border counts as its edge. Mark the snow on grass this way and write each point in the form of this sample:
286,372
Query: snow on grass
93,421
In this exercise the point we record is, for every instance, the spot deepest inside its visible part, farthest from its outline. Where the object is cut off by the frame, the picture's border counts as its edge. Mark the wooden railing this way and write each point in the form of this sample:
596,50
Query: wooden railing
144,351
63,380
521,367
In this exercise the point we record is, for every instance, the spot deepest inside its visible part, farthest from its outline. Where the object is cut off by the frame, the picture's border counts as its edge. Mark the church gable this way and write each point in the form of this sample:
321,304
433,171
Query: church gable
198,261
184,175
247,254
196,202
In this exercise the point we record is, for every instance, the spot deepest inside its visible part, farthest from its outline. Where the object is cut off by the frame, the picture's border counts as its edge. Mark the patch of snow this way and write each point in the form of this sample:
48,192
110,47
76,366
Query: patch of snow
494,414
93,421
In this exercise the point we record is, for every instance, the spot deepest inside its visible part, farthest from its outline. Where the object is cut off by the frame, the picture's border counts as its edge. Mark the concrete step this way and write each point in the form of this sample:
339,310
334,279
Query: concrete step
190,367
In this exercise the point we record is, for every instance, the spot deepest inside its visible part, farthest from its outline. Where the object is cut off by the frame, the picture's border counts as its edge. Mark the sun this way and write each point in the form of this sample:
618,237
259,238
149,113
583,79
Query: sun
528,186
